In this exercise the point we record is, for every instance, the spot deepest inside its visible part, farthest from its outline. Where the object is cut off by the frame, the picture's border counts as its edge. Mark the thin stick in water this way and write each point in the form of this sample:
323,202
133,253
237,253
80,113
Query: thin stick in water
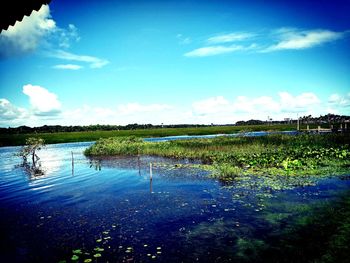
150,171
72,163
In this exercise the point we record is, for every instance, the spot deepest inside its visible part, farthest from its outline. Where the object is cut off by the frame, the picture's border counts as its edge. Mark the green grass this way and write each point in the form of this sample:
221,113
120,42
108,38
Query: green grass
60,137
230,157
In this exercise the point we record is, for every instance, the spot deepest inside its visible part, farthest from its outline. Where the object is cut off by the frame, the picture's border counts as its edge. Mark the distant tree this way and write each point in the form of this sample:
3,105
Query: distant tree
250,122
30,148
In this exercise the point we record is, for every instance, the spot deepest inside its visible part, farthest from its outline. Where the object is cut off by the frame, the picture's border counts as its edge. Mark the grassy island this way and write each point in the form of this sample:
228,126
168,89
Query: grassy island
230,157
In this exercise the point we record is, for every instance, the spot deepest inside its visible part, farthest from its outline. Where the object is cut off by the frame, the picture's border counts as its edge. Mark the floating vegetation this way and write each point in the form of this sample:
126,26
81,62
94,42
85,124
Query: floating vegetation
77,251
85,254
129,250
75,257
98,249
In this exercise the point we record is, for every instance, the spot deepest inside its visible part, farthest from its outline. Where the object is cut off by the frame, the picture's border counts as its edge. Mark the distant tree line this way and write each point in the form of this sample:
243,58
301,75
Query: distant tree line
250,122
328,118
97,127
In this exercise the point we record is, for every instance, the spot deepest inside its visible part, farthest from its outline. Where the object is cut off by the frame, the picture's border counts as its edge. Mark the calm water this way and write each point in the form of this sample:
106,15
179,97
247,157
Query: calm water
110,208
210,136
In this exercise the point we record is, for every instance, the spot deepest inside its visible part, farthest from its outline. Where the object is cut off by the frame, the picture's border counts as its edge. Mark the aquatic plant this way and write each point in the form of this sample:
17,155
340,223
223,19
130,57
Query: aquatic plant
234,156
32,146
321,234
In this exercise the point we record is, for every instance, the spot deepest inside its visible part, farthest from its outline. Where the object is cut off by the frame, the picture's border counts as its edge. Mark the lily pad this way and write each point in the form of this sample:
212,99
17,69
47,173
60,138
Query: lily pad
87,260
75,257
99,240
97,255
77,251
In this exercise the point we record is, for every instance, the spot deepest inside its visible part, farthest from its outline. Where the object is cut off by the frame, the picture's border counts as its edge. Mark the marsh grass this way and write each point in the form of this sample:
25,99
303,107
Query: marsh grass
234,156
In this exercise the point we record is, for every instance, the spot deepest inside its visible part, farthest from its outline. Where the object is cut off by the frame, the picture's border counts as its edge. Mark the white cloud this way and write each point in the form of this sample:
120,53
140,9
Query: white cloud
44,103
123,114
218,109
231,37
183,40
263,104
67,66
275,40
339,101
334,98
212,51
301,103
10,112
66,36
221,110
132,108
93,62
34,31
26,35
302,39
210,105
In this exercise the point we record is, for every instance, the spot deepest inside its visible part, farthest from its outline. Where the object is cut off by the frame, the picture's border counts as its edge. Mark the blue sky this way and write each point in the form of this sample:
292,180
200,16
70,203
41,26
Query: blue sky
120,62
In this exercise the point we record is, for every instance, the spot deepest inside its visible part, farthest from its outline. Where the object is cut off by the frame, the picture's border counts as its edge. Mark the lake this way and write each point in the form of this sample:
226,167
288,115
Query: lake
108,209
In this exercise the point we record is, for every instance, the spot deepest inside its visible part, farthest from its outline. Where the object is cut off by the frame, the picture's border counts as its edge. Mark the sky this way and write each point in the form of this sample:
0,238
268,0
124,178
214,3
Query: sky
175,62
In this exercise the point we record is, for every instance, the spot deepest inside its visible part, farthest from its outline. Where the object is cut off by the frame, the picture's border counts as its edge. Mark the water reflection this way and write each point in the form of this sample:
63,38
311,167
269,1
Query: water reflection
47,164
96,164
33,170
181,215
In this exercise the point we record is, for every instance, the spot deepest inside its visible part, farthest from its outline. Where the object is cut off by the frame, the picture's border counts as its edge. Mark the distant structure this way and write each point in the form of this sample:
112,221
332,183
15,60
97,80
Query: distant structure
287,120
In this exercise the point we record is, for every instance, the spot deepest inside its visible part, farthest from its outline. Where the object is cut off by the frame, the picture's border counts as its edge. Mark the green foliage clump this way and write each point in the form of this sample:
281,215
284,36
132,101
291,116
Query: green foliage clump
32,146
116,146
